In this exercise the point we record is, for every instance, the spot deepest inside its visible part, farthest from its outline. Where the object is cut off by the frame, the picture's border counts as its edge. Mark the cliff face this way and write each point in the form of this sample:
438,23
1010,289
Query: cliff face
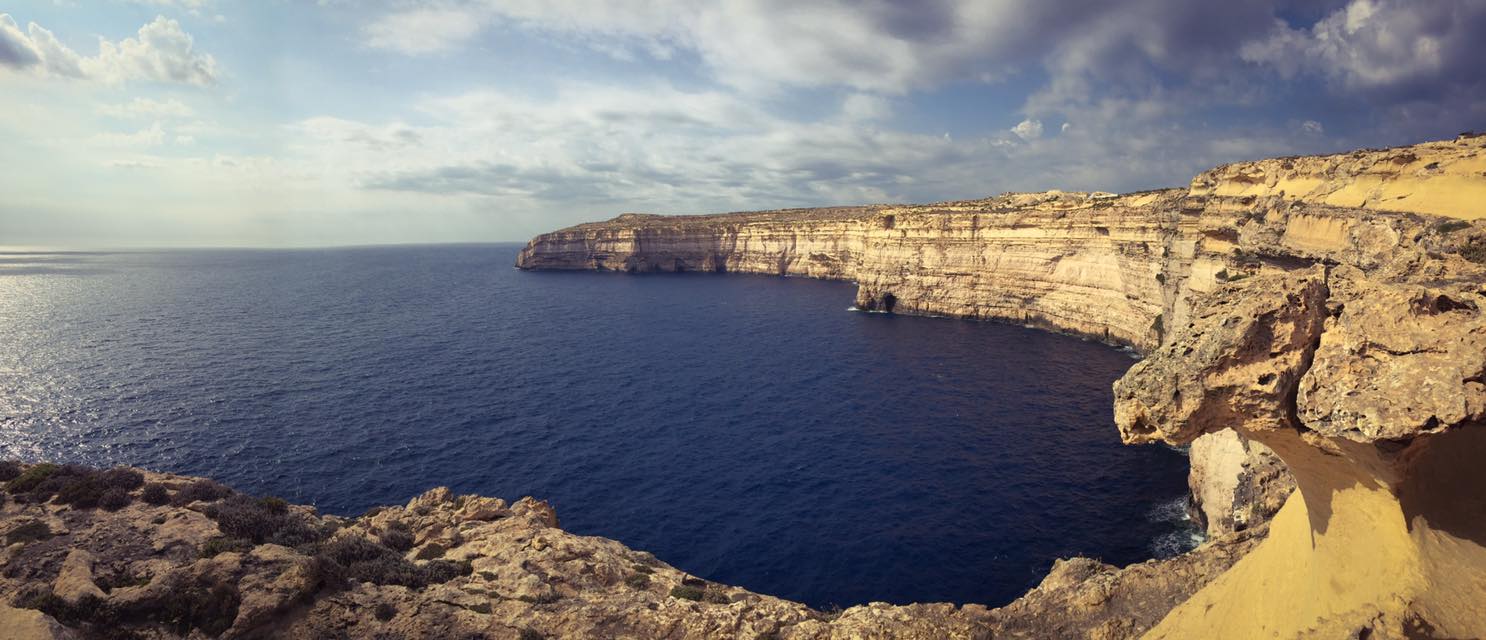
1324,310
1117,267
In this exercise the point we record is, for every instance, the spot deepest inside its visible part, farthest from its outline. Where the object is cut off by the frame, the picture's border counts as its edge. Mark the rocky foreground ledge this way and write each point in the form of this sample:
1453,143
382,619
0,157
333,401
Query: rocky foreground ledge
127,553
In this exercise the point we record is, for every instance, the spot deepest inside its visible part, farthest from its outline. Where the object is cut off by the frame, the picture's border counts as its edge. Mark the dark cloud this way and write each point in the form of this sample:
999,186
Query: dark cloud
16,50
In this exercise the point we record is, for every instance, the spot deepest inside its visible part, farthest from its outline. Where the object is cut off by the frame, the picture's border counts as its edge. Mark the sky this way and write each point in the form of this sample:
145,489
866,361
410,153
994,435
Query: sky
131,123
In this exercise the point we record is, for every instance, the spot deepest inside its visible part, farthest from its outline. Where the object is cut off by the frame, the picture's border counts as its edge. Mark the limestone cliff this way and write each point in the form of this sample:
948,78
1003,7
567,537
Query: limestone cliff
1325,309
126,553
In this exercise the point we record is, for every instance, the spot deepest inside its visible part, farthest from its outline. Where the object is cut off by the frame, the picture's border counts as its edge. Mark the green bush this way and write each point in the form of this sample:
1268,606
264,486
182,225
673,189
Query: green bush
85,488
686,592
224,544
637,580
155,493
31,478
9,469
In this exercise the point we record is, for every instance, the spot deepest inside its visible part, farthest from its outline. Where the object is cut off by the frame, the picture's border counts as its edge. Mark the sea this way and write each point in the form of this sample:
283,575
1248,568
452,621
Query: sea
751,430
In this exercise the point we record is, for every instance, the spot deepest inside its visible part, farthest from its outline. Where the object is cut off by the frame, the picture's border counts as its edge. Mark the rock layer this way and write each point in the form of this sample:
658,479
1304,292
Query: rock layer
1324,309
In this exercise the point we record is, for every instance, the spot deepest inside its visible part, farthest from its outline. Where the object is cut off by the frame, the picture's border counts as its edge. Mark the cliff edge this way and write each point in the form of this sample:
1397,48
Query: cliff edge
126,553
1324,311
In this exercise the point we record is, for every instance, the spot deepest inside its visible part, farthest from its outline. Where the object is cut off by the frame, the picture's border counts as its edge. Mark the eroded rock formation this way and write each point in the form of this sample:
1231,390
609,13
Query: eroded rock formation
173,557
1290,307
1326,310
1369,384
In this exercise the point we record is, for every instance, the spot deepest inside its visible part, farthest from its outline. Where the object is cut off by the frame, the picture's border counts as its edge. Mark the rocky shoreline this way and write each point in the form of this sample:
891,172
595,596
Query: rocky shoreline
165,556
1313,323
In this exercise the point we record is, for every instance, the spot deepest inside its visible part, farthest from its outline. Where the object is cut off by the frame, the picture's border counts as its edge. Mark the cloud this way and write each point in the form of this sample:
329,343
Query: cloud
1381,45
16,49
593,149
147,108
423,31
153,136
160,52
1028,129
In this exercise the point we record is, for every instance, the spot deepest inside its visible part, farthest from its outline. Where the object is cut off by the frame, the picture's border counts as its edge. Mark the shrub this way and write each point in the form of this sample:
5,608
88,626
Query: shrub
686,592
637,580
385,611
31,478
122,478
441,571
207,603
9,469
1475,251
266,520
548,597
115,499
359,558
367,561
531,634
397,539
29,531
203,490
82,491
41,598
155,493
224,544
1451,226
718,597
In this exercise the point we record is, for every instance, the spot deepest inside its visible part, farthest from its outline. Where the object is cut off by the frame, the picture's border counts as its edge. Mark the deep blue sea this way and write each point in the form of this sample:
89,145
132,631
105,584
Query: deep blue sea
747,429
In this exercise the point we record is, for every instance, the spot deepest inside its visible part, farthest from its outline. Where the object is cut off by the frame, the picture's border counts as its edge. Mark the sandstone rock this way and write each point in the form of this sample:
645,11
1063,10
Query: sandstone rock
75,580
1235,482
482,508
27,624
1369,388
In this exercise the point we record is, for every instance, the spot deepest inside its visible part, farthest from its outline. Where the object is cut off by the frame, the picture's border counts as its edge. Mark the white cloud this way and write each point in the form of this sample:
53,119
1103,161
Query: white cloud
1028,129
1312,127
147,108
756,43
862,107
424,31
160,52
1380,44
153,136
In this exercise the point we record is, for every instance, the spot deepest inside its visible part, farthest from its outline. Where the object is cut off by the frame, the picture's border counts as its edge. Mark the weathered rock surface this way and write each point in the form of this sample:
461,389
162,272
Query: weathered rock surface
512,573
1365,376
1325,310
1235,482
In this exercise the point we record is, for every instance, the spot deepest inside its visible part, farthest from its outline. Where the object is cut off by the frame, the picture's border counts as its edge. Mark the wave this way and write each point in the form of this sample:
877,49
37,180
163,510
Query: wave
1185,535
